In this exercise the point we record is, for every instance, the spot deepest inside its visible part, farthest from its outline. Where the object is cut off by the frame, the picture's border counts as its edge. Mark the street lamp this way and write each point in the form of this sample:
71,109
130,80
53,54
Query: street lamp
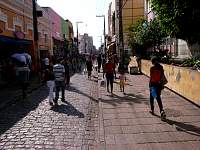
104,33
77,33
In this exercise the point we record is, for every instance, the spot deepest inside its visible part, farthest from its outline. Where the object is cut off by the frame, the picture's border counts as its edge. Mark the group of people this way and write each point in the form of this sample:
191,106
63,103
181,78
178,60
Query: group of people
156,82
57,77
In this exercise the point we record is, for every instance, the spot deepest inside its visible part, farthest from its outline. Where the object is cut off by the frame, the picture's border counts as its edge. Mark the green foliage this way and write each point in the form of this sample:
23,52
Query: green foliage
144,35
179,18
190,62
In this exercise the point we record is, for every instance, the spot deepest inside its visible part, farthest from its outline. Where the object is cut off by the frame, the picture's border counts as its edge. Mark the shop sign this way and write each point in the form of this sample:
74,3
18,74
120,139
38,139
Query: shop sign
19,35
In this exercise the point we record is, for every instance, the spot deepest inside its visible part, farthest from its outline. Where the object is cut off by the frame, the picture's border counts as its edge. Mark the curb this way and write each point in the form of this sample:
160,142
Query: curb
102,144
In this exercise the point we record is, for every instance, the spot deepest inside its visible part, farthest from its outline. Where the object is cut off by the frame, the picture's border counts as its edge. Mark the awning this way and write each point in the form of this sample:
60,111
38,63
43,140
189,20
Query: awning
12,41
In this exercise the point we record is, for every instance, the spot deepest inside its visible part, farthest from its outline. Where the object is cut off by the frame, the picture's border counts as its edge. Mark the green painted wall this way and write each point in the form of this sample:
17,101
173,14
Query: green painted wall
64,28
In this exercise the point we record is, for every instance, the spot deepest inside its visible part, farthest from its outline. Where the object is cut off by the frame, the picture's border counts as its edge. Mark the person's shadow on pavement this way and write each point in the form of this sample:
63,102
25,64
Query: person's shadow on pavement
183,127
68,109
188,128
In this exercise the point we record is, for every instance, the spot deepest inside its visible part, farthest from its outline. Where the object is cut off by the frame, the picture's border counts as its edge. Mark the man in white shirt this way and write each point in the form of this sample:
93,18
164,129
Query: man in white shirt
59,73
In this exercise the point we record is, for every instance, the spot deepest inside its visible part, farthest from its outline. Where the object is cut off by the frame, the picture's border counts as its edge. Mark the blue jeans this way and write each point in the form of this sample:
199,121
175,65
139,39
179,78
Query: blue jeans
60,85
158,98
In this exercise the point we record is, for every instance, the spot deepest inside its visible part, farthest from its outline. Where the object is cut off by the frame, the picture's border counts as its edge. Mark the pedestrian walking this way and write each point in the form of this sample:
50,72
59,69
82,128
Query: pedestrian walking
89,67
99,61
59,73
67,71
50,80
22,73
103,65
156,73
109,74
122,78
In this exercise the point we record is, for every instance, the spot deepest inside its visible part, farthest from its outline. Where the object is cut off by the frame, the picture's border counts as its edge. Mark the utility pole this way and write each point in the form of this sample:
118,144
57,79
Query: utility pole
104,32
121,40
35,31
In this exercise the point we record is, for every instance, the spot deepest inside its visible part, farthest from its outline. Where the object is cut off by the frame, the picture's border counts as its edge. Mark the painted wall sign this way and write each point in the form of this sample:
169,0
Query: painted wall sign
19,35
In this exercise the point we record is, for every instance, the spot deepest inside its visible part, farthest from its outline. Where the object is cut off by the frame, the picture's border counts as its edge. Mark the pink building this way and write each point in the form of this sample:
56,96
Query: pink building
55,20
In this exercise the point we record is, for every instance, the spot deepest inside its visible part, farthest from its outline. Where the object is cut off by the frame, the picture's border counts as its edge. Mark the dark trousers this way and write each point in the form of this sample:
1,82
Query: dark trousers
68,79
110,78
60,85
158,98
24,87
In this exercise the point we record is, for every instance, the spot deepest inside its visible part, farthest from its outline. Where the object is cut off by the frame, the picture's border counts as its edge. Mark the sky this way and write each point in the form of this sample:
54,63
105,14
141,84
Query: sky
84,11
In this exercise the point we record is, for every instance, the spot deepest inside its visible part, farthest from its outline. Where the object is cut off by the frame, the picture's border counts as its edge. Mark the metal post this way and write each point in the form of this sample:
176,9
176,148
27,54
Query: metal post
121,40
104,35
35,30
77,36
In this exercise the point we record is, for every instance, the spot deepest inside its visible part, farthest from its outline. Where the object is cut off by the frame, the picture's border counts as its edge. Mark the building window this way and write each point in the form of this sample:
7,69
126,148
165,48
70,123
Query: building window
2,26
30,33
29,26
17,28
39,35
45,38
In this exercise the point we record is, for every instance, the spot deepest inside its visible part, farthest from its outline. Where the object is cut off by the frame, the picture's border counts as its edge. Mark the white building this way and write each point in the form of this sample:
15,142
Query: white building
86,44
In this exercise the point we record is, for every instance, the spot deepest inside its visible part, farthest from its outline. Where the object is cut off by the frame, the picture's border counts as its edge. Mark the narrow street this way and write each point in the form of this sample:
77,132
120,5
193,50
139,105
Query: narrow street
34,124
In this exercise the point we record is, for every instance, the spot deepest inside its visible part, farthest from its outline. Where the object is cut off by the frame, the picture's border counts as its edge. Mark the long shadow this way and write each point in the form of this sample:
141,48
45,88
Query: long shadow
183,127
116,99
68,109
188,128
74,89
11,115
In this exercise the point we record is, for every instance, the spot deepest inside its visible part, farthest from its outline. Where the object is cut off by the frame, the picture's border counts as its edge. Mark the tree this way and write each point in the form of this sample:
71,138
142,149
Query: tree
144,35
179,18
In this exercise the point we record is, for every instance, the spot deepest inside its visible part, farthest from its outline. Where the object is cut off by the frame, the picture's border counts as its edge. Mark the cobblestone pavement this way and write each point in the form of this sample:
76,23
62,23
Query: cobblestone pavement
33,124
126,124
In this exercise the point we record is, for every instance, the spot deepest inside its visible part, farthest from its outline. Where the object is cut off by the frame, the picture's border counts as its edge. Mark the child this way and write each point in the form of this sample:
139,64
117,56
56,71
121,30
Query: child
122,78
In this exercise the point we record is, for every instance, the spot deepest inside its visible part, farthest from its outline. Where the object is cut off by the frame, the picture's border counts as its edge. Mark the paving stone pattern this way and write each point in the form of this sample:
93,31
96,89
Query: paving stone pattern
126,123
34,124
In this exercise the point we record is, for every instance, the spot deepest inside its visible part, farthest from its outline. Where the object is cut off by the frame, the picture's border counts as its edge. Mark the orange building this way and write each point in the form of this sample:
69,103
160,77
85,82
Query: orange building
16,35
45,42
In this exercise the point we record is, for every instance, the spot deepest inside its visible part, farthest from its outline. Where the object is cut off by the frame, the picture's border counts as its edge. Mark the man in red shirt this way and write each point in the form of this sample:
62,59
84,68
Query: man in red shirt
156,72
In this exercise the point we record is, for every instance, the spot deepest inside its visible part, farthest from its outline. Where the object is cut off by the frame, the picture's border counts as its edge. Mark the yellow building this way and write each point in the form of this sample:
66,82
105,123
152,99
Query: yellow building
16,16
16,31
132,11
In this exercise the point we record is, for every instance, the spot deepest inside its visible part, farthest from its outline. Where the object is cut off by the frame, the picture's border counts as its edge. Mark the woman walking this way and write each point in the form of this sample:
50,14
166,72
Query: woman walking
156,73
109,75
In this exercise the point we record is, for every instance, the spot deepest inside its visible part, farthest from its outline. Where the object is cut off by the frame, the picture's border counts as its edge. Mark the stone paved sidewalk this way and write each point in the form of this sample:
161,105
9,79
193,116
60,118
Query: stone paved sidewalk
12,93
126,124
33,124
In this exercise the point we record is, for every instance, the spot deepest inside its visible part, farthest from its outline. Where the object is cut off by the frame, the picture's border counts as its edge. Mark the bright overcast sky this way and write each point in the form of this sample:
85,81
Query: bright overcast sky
82,10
